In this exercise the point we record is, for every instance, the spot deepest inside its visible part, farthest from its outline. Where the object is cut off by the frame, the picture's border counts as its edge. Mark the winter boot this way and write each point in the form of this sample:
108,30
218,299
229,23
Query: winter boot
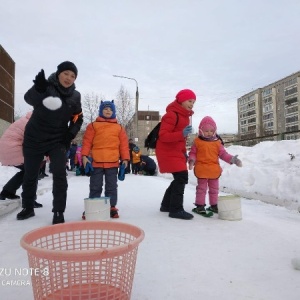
114,212
164,209
58,217
7,195
26,213
37,205
41,176
213,208
181,215
199,209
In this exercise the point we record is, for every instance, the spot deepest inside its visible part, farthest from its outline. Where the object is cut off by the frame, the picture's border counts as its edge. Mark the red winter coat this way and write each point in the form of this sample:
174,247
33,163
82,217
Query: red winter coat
171,144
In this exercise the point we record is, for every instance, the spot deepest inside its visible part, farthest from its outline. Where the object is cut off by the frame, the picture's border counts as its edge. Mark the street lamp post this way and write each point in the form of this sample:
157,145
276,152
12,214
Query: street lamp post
136,102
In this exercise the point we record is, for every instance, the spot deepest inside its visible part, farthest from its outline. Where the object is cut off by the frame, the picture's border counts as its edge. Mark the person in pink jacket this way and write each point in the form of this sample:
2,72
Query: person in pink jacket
11,154
204,157
79,156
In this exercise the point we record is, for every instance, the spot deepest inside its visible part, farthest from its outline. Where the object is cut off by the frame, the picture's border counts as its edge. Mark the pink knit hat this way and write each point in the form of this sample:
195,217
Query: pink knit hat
207,123
185,95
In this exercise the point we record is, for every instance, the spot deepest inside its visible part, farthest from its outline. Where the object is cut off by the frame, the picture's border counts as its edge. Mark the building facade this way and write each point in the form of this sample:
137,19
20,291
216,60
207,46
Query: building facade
271,112
147,120
7,90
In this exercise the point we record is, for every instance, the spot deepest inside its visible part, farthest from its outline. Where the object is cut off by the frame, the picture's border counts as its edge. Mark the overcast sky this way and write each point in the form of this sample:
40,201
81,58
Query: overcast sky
221,49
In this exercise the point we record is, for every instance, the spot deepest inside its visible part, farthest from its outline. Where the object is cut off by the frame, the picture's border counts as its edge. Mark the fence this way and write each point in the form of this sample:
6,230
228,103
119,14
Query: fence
251,141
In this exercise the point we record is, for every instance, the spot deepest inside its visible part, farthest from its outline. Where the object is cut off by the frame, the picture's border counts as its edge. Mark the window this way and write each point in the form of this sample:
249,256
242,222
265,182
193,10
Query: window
292,128
267,108
268,125
290,82
291,101
267,92
268,116
291,119
267,100
291,91
291,110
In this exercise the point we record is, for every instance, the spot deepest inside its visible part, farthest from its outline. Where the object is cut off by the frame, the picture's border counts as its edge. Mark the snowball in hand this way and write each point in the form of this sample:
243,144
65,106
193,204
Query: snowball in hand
52,103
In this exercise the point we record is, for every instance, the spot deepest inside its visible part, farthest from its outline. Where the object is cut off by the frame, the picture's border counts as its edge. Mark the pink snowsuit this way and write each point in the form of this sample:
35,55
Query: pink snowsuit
79,156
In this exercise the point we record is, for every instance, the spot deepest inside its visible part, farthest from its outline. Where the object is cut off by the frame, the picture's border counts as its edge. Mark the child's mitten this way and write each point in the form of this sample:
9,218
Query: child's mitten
121,173
88,166
191,164
236,161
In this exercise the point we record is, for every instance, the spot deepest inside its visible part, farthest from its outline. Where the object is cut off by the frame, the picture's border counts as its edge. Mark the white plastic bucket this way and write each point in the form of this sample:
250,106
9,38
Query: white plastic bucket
229,208
97,209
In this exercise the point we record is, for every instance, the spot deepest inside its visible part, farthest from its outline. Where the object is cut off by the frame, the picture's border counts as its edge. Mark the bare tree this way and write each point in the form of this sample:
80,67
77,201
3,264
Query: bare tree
90,107
125,110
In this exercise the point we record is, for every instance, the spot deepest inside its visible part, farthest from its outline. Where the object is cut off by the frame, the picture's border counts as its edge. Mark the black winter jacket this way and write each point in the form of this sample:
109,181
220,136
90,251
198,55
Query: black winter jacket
150,163
47,128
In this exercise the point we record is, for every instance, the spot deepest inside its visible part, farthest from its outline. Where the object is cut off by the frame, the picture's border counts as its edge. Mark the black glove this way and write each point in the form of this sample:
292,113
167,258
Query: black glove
68,139
40,82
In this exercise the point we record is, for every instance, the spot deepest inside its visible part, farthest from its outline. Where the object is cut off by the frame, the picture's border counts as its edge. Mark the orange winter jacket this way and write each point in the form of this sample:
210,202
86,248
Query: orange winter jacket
106,142
136,157
206,155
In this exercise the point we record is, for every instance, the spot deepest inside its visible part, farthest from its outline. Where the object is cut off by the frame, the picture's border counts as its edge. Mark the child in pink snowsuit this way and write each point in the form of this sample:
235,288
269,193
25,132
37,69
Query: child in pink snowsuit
79,156
204,156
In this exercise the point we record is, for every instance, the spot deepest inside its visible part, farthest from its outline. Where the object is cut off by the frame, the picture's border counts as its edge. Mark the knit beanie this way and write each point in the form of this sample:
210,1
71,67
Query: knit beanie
66,65
105,104
207,123
184,95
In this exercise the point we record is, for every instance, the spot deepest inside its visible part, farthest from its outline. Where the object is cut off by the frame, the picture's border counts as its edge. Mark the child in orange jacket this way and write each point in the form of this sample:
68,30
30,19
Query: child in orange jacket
136,160
106,142
204,157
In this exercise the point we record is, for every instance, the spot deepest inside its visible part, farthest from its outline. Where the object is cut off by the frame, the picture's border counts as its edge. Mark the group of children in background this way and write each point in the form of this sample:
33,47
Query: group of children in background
139,163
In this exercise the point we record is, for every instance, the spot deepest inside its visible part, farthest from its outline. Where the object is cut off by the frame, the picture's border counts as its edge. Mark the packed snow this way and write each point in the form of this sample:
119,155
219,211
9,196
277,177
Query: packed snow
202,258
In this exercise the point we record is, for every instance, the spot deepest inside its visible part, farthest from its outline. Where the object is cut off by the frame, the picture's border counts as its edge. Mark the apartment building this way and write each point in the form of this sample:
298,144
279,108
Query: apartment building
7,90
271,112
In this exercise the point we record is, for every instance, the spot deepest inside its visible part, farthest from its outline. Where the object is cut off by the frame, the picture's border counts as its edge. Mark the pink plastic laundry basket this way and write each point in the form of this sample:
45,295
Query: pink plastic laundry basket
92,260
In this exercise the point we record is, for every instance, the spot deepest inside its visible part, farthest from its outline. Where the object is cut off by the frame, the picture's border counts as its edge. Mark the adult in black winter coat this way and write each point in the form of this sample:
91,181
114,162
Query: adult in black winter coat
148,165
55,121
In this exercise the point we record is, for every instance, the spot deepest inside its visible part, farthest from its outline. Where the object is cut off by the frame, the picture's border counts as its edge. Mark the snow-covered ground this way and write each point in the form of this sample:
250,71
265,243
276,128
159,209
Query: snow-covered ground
204,258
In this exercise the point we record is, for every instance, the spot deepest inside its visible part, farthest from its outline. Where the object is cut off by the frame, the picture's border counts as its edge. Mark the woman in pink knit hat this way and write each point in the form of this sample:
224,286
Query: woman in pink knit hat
171,151
204,156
